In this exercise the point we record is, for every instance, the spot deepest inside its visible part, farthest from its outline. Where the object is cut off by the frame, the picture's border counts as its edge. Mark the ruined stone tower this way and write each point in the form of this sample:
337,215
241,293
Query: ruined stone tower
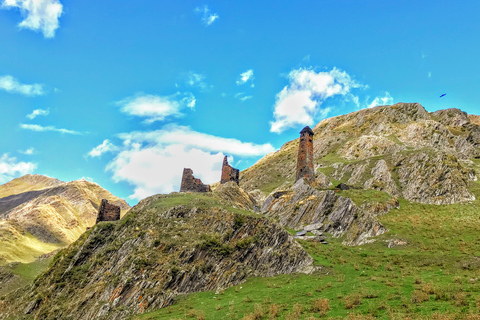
108,212
192,184
305,156
228,172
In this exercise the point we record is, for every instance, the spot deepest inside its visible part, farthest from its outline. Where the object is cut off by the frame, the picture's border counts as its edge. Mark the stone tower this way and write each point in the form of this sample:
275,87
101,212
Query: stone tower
228,172
305,156
108,212
192,184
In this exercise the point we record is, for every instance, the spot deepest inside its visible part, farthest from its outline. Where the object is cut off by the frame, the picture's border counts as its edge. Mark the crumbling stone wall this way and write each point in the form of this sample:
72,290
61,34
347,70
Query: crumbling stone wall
190,183
229,173
108,212
305,156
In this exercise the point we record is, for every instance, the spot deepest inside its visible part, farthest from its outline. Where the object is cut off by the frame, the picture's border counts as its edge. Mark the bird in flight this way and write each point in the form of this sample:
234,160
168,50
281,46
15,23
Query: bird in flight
443,95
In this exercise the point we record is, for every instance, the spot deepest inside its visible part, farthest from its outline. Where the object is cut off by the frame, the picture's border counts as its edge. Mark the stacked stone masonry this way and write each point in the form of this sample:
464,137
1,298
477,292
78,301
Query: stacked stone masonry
305,156
108,212
191,184
229,173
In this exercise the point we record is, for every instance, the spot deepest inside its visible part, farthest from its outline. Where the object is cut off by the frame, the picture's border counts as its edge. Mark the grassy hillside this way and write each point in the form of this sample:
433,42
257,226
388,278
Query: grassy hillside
431,271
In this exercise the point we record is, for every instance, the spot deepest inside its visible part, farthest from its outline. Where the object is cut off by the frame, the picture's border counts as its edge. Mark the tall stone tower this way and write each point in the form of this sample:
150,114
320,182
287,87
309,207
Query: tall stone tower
305,156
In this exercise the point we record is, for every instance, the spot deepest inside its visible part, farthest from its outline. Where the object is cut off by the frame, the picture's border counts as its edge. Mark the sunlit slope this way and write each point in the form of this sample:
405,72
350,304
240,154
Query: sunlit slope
400,149
36,219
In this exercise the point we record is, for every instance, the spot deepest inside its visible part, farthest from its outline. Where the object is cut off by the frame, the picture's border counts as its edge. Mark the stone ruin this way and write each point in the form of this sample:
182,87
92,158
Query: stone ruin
229,173
305,156
192,184
108,212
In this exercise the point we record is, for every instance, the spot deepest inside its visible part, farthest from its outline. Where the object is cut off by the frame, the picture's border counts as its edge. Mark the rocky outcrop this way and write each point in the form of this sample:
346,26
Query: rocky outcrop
433,178
382,179
232,193
302,205
154,254
229,173
192,184
108,212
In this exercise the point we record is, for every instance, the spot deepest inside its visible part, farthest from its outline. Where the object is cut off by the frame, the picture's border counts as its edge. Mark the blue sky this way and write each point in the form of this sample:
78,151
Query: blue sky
128,93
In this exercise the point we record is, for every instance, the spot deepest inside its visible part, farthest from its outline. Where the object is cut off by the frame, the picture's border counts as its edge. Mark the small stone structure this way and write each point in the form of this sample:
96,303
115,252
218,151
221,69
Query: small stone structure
191,184
108,212
305,156
229,173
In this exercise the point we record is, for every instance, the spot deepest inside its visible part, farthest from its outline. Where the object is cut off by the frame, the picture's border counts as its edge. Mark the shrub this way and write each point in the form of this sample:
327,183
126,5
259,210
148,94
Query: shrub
353,300
321,305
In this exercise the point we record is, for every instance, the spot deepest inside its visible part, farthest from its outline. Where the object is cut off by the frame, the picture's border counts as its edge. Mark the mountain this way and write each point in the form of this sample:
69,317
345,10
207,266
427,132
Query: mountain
39,214
382,154
165,246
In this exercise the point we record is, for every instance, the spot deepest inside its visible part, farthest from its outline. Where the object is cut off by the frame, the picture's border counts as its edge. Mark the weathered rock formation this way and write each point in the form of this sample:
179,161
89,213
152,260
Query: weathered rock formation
305,156
303,207
229,173
158,252
108,212
192,184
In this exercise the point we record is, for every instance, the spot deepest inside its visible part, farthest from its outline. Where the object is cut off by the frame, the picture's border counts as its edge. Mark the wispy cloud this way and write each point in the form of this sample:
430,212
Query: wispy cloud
386,99
208,17
38,112
105,147
301,100
429,74
153,161
12,85
197,80
10,168
28,151
40,15
242,96
38,128
246,77
157,108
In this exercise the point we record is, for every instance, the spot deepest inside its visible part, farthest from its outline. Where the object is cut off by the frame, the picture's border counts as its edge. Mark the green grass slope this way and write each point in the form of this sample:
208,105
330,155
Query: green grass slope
431,271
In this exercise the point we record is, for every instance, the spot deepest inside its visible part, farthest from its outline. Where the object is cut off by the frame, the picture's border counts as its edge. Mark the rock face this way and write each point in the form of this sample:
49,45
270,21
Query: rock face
192,184
229,173
305,156
154,254
39,214
108,212
302,207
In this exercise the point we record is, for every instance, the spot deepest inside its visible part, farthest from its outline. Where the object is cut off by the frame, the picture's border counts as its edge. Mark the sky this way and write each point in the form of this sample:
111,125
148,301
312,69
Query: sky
126,93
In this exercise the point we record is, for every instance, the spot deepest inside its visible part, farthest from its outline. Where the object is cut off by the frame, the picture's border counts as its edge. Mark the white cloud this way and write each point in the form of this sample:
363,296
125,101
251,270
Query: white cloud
40,15
197,80
245,77
105,147
153,161
429,75
10,84
38,128
208,17
10,168
157,108
28,151
300,101
387,99
38,112
242,96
